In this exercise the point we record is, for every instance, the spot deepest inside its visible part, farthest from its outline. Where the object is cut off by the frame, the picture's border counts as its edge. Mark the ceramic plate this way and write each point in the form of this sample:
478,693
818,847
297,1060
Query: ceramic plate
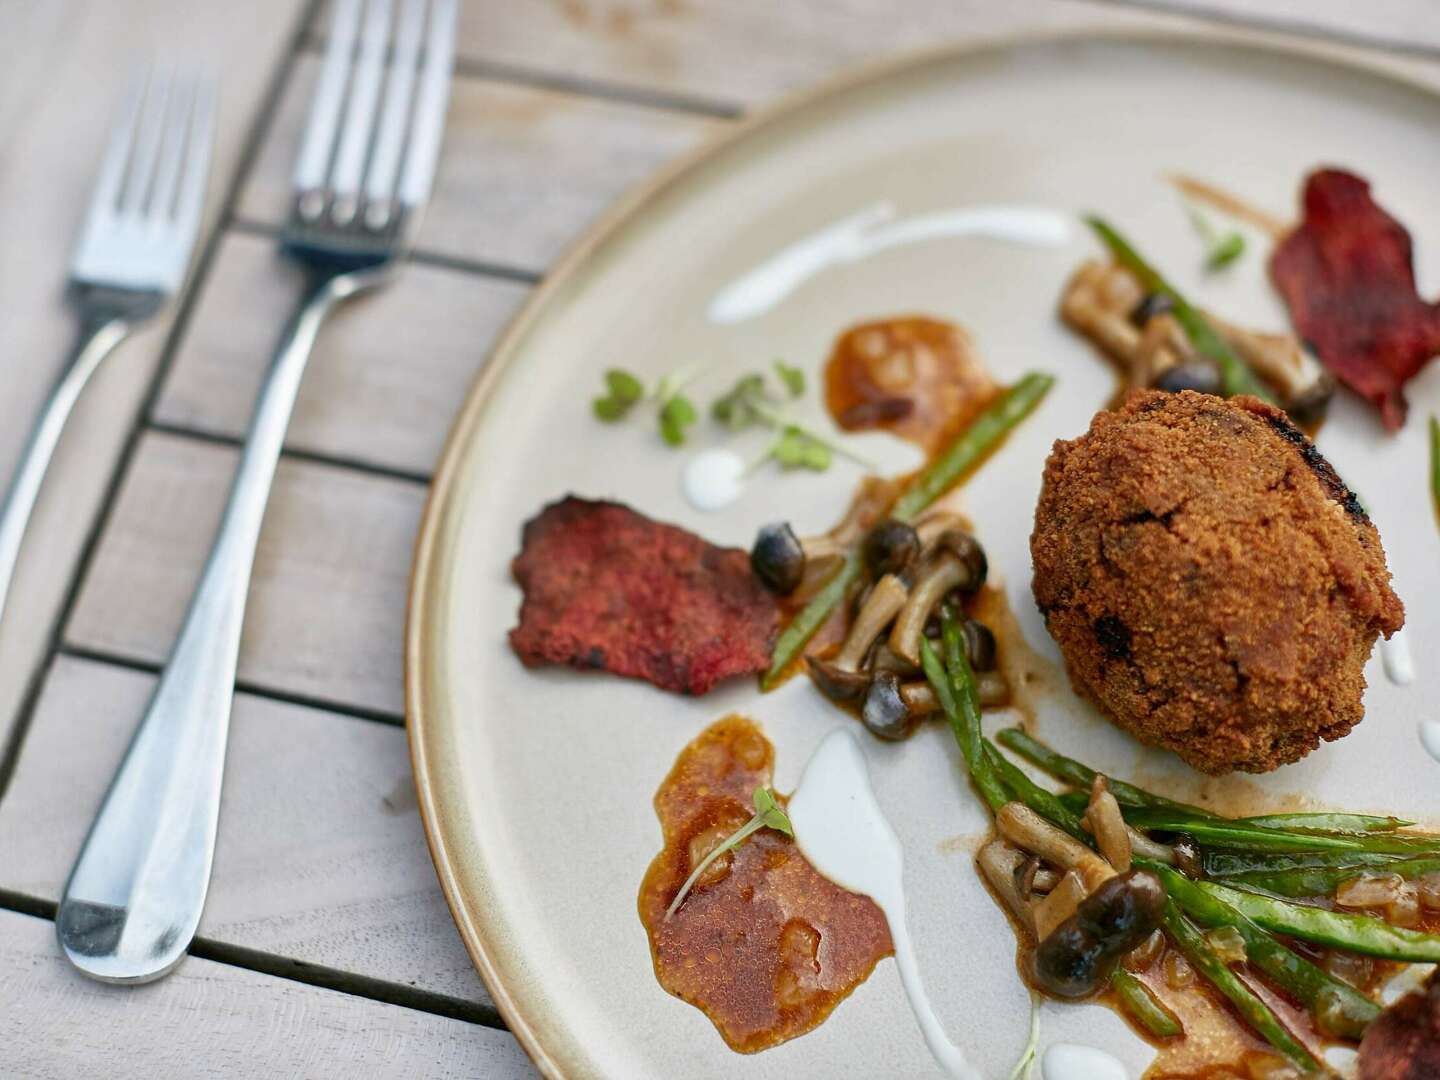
536,786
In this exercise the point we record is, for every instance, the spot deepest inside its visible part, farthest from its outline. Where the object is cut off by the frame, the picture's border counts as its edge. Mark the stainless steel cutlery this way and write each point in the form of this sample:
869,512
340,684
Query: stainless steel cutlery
363,174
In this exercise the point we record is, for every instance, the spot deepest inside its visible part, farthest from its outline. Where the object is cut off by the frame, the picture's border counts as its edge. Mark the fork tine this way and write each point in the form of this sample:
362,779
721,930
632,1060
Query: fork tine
390,137
360,112
196,172
106,198
424,150
172,152
147,145
318,144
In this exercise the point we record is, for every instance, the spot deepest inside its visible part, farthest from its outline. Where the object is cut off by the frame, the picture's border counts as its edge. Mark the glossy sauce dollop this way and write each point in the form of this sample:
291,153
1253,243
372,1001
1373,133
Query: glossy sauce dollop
918,378
763,945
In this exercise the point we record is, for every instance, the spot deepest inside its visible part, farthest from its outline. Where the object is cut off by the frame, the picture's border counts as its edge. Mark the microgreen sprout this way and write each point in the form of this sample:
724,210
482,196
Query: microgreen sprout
792,377
623,391
768,815
1221,249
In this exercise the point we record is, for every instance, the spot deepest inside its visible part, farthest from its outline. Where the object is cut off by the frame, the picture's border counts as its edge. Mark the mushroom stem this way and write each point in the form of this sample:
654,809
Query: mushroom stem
1029,831
1059,905
999,861
1106,824
946,573
936,525
886,599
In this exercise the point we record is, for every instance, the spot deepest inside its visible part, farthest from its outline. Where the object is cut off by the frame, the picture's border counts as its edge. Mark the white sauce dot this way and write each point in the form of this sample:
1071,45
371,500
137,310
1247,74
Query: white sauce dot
1399,664
1071,1061
713,479
1430,737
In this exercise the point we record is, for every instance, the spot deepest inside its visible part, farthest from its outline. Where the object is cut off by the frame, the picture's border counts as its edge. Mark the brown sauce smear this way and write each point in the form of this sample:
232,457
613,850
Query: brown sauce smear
763,945
915,377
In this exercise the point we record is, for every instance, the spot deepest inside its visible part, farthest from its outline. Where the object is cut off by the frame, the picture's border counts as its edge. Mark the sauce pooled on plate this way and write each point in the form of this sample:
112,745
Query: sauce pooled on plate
763,944
918,378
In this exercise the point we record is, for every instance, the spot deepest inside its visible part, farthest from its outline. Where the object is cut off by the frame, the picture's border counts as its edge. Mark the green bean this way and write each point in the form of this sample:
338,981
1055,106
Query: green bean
966,727
981,436
1435,461
1221,833
1142,1004
1255,1012
1045,803
812,616
1346,1011
1235,376
1082,776
1337,929
1327,822
1323,881
971,445
1226,864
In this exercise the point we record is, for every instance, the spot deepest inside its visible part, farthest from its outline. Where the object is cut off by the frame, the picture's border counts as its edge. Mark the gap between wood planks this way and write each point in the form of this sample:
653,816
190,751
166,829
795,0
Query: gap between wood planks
242,686
249,152
327,978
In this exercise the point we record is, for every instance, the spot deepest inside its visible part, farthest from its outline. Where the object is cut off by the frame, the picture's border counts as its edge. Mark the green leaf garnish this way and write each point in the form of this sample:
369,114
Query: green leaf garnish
624,391
768,815
623,386
736,409
792,377
799,449
609,409
1220,249
1229,248
677,414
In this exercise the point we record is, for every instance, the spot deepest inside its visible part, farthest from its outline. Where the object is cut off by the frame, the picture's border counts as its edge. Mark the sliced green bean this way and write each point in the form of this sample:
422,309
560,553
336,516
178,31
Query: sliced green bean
1235,376
1337,929
1255,1012
1222,833
1227,864
1045,803
1435,462
966,726
981,436
1327,822
971,445
1082,776
1323,881
1142,1004
1346,1011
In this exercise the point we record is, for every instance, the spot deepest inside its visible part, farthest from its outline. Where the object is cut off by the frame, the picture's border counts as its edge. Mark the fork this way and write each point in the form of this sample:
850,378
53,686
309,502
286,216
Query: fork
364,172
132,255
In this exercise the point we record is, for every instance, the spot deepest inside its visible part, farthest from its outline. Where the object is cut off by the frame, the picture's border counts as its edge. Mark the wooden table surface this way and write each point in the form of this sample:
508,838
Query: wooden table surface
326,949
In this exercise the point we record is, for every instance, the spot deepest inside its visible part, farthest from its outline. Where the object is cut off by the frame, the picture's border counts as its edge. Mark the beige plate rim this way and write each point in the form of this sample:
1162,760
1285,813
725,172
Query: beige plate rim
422,717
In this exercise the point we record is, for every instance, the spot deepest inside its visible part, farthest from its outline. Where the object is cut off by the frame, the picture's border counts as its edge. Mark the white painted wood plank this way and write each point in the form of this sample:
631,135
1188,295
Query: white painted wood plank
522,170
321,857
213,1020
744,52
63,64
388,373
326,611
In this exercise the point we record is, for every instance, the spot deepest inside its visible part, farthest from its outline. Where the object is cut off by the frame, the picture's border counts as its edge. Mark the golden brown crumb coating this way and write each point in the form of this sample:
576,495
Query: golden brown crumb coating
1214,586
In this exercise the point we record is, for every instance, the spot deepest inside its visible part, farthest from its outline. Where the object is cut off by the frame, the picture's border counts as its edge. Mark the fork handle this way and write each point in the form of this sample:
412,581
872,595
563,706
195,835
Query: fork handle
134,898
98,338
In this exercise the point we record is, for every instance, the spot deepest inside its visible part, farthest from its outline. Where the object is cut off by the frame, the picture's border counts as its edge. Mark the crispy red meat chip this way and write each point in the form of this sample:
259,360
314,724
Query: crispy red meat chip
608,588
1347,275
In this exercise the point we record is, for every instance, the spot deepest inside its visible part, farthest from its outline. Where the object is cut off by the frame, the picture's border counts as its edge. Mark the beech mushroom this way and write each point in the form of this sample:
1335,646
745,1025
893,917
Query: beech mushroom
1076,958
886,713
779,558
1059,905
1026,829
892,547
998,861
1106,824
840,678
959,563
